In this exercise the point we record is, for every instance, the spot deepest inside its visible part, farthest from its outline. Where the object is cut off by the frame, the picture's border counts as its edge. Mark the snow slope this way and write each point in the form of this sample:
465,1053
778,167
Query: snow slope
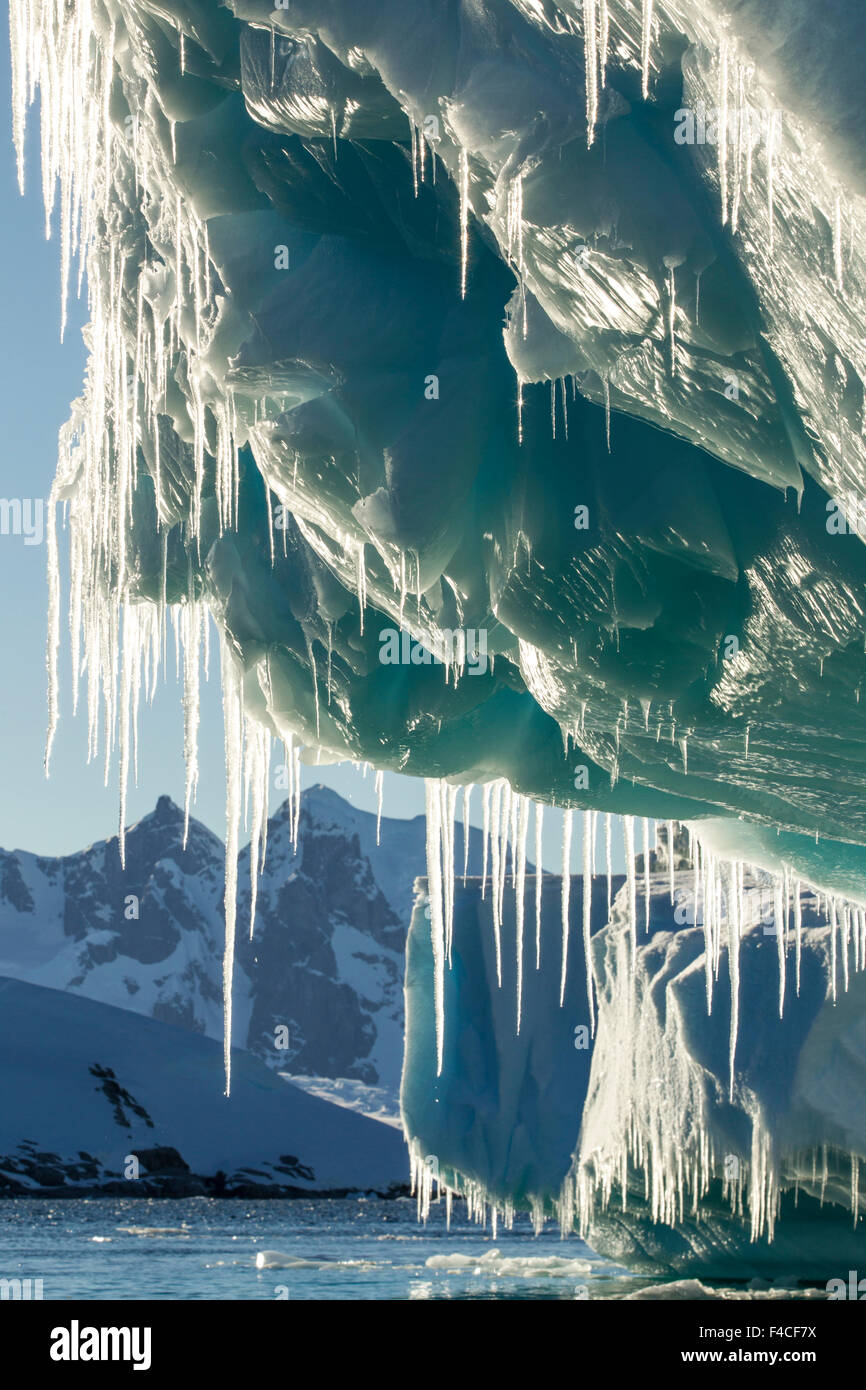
83,1086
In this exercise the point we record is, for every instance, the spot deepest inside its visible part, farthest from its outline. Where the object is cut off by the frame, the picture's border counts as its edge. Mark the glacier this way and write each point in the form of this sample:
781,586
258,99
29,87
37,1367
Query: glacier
534,318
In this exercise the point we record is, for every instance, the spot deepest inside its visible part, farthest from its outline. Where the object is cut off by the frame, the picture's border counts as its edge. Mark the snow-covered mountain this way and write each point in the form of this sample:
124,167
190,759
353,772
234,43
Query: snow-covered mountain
146,937
97,1098
319,989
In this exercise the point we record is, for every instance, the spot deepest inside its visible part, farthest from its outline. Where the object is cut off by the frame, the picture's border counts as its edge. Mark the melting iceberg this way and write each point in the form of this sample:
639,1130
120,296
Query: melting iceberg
492,375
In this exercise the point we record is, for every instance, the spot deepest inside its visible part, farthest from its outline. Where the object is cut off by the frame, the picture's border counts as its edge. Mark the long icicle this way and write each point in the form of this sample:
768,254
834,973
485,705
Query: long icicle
539,821
485,835
646,873
628,836
608,858
379,789
495,810
233,733
588,833
432,798
798,930
566,894
467,794
734,932
519,891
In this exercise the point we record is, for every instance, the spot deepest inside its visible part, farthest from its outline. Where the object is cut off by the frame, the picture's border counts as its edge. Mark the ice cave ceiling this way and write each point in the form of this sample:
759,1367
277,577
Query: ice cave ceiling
531,319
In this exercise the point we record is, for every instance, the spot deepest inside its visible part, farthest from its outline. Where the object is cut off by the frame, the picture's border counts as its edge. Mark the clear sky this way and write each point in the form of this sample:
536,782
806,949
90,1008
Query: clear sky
38,380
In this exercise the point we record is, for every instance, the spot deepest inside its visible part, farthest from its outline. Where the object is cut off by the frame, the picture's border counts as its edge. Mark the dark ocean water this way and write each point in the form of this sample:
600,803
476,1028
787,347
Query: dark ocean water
354,1248
351,1248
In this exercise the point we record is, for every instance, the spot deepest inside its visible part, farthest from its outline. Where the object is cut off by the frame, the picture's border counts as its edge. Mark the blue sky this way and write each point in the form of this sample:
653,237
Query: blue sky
39,379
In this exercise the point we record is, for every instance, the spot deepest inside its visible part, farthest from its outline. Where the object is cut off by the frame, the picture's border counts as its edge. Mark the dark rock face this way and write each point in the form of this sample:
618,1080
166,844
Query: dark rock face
327,955
12,886
147,936
163,1159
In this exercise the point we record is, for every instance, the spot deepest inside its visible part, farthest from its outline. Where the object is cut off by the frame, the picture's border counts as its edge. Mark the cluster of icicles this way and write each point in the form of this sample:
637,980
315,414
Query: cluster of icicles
754,1187
723,906
716,887
673,1190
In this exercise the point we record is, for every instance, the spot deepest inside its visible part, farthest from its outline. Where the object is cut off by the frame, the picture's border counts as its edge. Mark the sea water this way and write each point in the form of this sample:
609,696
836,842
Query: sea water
348,1249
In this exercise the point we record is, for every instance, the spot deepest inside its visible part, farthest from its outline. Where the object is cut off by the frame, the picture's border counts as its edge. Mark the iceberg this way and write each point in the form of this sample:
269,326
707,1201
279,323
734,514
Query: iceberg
536,321
676,1138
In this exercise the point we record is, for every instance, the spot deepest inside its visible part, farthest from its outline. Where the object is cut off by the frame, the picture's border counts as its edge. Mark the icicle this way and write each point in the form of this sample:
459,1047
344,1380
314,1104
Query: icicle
646,874
709,917
434,894
670,825
362,589
194,619
539,820
672,312
590,55
495,847
448,814
738,143
734,931
128,681
257,762
485,835
379,786
608,859
566,894
628,837
519,891
723,128
464,221
296,755
588,838
606,380
467,793
645,43
505,822
233,727
834,926
413,136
